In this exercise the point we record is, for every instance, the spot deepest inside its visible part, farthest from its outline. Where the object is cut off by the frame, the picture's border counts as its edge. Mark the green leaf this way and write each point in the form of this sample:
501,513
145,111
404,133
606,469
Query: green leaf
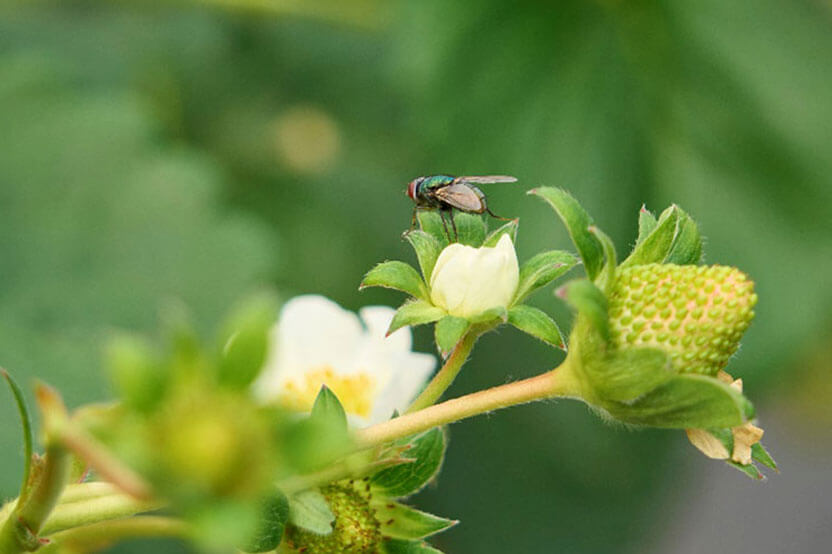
328,409
749,469
686,402
674,239
646,223
245,341
427,452
309,510
470,229
415,312
655,246
431,223
687,244
427,249
542,269
403,522
449,330
626,375
136,371
490,315
509,229
396,275
274,514
397,546
537,324
577,223
606,277
589,301
760,454
26,425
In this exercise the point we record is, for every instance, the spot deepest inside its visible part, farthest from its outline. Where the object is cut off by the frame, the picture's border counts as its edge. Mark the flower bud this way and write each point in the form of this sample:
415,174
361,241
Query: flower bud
354,530
697,314
468,281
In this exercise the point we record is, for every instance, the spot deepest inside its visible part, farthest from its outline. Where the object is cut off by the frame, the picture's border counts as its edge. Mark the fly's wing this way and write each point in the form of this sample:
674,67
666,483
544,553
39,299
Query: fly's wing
486,179
461,197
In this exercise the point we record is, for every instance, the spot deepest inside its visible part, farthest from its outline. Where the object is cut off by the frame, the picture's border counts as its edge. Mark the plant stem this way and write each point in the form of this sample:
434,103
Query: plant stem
103,533
96,509
556,383
446,375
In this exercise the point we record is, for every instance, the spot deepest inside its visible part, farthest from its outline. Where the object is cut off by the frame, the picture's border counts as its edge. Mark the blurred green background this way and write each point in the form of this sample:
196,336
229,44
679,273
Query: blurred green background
194,151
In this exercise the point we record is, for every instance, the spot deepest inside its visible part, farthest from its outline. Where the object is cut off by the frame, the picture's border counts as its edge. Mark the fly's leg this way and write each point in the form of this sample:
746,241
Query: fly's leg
453,224
445,223
413,219
495,216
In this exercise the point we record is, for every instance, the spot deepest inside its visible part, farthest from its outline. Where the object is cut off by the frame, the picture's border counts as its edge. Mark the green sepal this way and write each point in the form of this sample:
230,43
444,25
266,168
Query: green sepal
761,455
309,510
536,323
625,375
415,312
426,452
687,243
396,275
646,223
274,515
26,426
686,402
748,469
490,315
431,223
136,371
509,229
470,229
427,250
449,330
244,341
397,546
606,277
674,239
577,222
327,410
588,301
403,522
540,270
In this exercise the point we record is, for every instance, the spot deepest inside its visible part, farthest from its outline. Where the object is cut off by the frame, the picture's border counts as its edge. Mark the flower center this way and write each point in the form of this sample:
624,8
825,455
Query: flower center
355,391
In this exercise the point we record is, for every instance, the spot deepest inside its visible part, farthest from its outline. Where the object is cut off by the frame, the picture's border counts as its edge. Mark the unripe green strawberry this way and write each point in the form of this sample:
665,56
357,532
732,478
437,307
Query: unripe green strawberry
695,313
355,529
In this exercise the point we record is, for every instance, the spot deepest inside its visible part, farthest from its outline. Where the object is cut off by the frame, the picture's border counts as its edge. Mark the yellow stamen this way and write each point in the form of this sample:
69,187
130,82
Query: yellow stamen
356,392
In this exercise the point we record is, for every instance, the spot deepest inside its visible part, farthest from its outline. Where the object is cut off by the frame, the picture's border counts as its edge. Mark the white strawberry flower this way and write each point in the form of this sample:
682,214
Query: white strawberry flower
316,342
468,281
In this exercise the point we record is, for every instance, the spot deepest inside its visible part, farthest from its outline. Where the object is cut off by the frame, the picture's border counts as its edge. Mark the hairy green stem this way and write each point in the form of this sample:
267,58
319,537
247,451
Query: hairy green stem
446,375
96,509
559,382
101,534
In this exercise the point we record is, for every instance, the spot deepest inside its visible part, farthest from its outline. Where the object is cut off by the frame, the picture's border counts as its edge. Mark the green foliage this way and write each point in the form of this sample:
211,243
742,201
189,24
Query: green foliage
139,375
427,249
309,510
423,455
470,229
536,323
541,269
674,239
26,427
449,331
509,229
577,223
590,302
396,275
327,410
404,522
245,341
396,546
415,312
272,520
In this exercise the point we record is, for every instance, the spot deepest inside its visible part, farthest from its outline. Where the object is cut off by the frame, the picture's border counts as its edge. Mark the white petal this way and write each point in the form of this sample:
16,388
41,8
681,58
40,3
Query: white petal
377,319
